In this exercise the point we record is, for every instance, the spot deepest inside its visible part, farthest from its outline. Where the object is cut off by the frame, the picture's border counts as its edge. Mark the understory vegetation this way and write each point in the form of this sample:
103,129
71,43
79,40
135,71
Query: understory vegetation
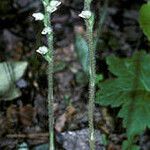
74,75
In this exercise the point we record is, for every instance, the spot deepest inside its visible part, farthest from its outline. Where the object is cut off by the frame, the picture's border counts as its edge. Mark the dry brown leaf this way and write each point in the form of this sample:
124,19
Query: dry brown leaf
12,116
66,117
3,125
27,115
112,146
60,123
70,112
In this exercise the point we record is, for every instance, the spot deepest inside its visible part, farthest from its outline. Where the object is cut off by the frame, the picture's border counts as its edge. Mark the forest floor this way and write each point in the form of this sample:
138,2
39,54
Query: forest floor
24,119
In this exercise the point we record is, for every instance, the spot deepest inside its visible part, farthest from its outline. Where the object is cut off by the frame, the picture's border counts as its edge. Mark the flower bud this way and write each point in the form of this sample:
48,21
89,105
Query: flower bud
38,16
85,14
46,30
42,50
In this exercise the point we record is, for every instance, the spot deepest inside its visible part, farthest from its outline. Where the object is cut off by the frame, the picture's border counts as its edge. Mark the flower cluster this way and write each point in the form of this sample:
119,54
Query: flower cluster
50,8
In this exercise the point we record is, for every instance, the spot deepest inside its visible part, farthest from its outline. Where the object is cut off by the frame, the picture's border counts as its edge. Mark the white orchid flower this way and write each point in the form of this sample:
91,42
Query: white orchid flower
51,9
42,50
38,16
86,14
46,30
53,6
55,3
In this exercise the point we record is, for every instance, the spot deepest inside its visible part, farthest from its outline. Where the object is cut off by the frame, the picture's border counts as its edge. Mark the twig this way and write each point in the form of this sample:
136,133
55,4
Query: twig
28,136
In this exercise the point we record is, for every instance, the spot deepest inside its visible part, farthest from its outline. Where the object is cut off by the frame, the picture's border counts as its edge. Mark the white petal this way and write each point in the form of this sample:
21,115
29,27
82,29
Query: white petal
85,14
42,50
44,3
38,16
46,30
92,136
53,6
54,3
51,9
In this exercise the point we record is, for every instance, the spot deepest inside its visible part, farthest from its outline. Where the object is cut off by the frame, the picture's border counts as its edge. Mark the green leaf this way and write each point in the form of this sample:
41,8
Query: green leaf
12,93
144,19
19,69
104,139
10,73
81,78
81,48
130,90
127,145
99,77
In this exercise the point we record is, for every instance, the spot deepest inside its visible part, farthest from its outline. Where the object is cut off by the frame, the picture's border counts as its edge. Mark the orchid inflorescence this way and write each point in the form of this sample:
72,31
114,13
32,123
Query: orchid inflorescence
47,52
50,7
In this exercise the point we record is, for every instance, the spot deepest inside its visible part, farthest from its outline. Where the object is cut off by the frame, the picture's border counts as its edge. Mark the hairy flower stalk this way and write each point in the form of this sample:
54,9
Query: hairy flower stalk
50,82
89,20
47,52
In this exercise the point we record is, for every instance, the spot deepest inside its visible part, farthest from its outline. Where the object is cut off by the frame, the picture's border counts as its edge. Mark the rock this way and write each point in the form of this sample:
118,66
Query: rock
78,140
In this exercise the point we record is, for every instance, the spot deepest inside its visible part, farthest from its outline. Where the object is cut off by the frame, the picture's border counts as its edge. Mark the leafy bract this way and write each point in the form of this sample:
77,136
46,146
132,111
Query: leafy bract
81,47
10,72
130,90
144,19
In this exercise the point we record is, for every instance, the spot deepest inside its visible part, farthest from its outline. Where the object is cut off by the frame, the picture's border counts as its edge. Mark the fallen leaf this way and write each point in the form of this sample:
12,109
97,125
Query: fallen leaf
12,117
27,115
66,117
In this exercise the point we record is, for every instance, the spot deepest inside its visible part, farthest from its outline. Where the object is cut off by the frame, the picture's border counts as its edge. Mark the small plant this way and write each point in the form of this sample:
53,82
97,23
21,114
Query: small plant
85,49
47,52
89,20
130,91
130,88
10,73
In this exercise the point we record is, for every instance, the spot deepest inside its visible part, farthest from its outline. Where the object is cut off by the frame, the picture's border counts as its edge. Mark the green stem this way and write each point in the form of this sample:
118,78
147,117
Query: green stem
47,23
91,88
50,91
50,106
92,76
